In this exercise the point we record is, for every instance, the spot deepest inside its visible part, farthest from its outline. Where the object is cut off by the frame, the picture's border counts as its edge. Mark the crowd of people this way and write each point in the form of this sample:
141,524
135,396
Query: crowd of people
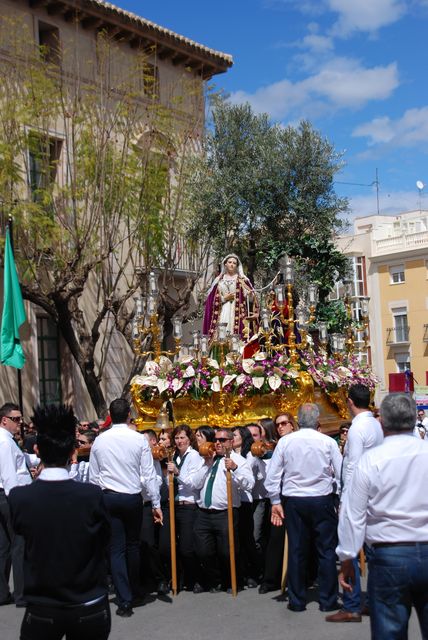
85,503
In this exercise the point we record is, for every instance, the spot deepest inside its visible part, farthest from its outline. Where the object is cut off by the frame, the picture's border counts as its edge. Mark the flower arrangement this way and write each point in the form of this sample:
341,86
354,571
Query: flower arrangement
260,375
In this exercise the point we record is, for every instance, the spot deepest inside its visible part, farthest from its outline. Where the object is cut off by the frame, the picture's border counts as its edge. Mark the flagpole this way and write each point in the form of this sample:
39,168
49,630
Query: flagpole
10,225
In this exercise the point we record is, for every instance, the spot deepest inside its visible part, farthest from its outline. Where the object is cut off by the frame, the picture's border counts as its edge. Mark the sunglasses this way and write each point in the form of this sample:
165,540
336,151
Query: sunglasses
15,418
81,442
278,424
221,439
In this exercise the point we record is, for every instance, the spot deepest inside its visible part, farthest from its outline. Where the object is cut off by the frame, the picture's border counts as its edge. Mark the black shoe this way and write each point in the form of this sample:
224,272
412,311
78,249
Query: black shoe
265,588
21,604
138,602
216,589
198,588
163,589
125,611
295,607
251,583
334,607
9,600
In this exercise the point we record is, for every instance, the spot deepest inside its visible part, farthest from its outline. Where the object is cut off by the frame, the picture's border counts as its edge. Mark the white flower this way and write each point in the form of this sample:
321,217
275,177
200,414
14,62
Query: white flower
177,384
215,384
260,356
274,382
247,365
241,379
213,363
165,364
228,379
151,368
189,373
162,385
292,373
258,381
146,381
185,359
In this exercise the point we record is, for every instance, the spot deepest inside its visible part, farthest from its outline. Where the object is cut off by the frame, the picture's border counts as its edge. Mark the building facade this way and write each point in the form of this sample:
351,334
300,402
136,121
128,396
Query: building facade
169,72
390,256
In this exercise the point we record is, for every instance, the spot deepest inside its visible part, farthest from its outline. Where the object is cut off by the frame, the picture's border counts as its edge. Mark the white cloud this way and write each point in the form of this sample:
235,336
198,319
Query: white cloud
392,202
317,43
340,83
408,131
365,15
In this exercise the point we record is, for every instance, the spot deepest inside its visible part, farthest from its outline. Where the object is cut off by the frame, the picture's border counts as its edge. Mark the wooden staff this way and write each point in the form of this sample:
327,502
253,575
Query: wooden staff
362,563
284,562
172,526
231,529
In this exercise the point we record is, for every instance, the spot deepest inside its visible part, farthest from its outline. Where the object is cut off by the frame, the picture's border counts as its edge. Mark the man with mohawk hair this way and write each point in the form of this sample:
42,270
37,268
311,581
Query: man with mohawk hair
66,531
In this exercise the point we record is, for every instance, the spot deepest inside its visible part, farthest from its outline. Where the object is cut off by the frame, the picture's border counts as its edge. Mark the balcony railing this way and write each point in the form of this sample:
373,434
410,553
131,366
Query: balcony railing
401,242
397,335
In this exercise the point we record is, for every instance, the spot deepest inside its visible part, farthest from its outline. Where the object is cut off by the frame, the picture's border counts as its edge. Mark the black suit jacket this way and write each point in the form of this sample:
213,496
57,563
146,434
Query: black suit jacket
66,529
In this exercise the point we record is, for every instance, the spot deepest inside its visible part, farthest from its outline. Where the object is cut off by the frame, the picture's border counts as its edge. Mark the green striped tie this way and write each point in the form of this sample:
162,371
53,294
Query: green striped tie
210,483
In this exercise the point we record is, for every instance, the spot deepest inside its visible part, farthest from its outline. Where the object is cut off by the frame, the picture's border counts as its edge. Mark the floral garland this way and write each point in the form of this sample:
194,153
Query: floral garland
259,375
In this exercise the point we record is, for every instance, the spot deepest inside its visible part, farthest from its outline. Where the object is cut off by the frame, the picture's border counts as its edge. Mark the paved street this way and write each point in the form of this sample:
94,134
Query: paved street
220,616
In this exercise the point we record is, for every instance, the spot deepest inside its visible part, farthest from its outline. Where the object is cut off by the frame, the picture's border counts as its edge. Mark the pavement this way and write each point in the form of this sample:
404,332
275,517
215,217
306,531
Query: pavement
219,616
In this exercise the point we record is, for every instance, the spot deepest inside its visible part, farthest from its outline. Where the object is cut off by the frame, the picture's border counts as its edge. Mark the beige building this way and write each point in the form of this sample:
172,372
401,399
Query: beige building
174,70
390,259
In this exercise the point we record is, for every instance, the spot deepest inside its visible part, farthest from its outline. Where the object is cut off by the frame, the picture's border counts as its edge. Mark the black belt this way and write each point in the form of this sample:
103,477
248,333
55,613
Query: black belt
380,545
213,510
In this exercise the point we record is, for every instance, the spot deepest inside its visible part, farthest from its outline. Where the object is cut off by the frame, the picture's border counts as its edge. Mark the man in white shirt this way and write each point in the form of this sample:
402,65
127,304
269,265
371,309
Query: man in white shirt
421,426
211,530
386,507
14,471
306,463
121,463
364,433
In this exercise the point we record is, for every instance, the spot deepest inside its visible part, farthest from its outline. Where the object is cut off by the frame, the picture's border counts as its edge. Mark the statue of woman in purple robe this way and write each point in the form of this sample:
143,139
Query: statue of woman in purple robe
231,300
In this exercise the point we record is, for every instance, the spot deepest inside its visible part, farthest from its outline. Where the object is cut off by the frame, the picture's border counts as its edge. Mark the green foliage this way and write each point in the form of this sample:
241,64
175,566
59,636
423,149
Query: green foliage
264,190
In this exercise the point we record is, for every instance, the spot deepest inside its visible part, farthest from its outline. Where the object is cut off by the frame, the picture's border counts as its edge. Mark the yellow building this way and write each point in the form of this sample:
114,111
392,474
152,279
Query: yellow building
392,254
169,74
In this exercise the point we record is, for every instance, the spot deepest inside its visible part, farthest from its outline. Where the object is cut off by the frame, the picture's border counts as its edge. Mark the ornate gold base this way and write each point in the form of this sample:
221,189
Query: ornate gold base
227,410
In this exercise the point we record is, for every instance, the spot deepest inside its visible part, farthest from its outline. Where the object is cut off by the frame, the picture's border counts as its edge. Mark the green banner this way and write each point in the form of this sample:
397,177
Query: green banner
13,316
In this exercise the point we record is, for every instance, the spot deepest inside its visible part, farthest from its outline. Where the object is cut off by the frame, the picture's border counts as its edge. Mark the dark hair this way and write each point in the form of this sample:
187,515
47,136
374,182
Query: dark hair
91,435
254,424
187,430
270,429
247,439
149,432
7,407
360,396
344,425
119,410
207,432
56,427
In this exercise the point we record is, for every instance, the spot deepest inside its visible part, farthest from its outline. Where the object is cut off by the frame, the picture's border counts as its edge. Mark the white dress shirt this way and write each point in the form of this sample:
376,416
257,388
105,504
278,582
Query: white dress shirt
387,500
54,474
14,463
306,462
364,433
121,460
160,480
259,467
242,479
79,471
192,463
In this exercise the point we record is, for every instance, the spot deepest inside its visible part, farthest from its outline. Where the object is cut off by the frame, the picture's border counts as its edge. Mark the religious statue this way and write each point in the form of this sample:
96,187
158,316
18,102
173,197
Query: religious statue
231,301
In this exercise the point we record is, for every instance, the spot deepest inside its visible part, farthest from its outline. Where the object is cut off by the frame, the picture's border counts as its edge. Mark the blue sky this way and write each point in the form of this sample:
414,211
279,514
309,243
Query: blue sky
355,68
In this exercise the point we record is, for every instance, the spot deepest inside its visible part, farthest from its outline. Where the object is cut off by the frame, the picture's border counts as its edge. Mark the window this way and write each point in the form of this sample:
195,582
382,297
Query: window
49,43
49,361
402,360
397,274
43,154
151,80
401,328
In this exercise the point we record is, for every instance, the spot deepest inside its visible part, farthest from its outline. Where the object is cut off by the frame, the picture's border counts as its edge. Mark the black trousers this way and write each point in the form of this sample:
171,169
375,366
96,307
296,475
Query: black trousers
153,569
75,623
126,514
188,563
249,556
212,545
274,554
11,554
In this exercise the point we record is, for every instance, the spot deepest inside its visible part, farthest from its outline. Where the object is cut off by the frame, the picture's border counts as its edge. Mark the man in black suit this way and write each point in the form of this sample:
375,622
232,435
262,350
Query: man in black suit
66,530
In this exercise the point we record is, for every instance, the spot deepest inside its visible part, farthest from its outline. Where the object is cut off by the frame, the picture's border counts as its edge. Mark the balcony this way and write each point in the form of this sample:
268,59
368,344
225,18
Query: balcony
400,242
397,336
